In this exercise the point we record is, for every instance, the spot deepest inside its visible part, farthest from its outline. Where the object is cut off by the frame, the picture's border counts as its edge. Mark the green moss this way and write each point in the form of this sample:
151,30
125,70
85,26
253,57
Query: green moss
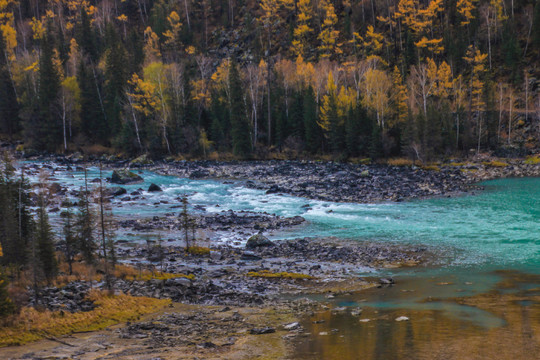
278,275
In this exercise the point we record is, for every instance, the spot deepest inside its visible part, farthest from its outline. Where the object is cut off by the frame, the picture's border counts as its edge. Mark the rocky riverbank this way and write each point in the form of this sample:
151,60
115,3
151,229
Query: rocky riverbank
235,303
337,182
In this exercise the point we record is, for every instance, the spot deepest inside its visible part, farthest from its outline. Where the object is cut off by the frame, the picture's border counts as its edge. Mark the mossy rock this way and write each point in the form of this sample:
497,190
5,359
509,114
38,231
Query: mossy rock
141,161
125,177
258,240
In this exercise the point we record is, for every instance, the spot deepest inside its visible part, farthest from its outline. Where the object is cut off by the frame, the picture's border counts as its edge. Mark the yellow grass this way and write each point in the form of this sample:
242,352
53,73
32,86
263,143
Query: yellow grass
280,275
494,163
31,325
431,168
533,160
400,162
82,271
198,250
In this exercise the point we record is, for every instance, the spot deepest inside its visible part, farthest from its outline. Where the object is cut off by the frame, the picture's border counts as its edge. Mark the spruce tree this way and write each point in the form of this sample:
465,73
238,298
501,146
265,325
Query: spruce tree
312,130
45,238
6,305
46,134
115,80
93,123
70,240
9,107
84,224
536,28
239,124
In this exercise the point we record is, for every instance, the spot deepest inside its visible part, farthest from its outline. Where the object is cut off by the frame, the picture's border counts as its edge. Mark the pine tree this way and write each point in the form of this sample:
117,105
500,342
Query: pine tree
15,218
44,237
93,123
84,225
536,28
311,128
239,122
6,305
45,131
9,106
70,239
116,77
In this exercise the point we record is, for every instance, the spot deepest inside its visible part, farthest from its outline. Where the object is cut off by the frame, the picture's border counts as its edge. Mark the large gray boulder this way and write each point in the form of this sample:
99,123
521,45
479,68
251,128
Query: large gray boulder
258,240
125,177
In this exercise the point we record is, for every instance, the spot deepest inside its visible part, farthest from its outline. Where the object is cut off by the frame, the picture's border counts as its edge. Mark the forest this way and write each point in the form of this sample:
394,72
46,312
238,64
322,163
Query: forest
252,79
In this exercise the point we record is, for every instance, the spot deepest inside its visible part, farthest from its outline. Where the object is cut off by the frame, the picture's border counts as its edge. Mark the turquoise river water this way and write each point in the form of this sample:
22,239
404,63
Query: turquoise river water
488,249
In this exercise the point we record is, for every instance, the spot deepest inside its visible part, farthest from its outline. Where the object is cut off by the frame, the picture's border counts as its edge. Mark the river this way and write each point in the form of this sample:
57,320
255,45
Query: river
480,298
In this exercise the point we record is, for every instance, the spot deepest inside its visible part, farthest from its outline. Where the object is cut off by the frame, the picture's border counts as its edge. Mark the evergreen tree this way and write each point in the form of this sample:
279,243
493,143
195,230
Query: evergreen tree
239,123
376,148
15,218
45,129
9,106
44,238
312,130
116,77
536,28
85,37
70,240
93,123
84,225
6,305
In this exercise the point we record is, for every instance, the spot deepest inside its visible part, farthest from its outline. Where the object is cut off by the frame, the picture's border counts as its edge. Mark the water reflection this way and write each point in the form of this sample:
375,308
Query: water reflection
503,323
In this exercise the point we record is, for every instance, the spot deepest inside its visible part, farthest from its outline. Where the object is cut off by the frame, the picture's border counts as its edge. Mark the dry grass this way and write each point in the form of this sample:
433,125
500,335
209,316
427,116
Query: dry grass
278,275
198,250
31,325
400,162
494,163
431,167
84,272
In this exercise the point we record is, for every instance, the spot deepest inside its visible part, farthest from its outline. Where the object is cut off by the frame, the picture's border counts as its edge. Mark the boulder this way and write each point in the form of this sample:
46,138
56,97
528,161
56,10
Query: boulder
125,177
261,331
250,256
117,191
154,188
141,161
258,240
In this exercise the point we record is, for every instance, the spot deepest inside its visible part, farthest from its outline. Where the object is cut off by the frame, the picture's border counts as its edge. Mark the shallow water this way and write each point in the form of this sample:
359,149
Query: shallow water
482,286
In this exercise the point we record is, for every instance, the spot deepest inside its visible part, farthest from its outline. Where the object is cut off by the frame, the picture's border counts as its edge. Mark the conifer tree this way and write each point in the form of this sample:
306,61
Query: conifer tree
116,77
44,237
312,130
93,123
70,239
9,106
6,305
239,122
84,225
45,131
